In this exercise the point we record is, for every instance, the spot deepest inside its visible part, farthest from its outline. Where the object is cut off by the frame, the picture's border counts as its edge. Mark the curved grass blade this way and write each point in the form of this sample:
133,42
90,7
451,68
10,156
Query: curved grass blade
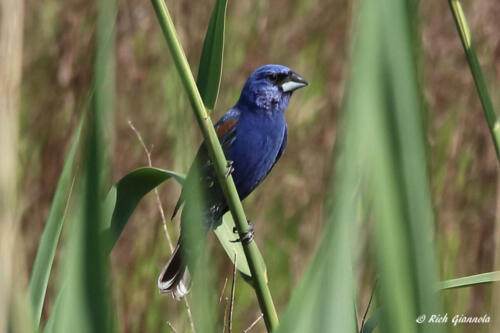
50,236
226,236
126,194
210,69
469,281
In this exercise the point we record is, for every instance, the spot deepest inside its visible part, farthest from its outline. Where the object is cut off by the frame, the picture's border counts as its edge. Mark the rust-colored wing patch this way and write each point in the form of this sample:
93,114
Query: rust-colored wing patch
225,127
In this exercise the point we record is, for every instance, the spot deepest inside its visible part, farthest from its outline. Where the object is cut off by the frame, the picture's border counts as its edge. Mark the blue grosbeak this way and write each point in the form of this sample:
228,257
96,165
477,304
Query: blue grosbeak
253,136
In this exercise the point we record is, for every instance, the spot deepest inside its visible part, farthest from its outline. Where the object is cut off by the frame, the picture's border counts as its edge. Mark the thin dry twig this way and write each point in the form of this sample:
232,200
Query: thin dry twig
158,201
253,324
190,315
225,315
223,290
230,323
368,306
171,327
163,219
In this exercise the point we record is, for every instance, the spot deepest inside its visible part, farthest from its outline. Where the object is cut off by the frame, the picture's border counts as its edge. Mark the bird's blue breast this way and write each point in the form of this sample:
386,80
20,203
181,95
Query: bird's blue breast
254,151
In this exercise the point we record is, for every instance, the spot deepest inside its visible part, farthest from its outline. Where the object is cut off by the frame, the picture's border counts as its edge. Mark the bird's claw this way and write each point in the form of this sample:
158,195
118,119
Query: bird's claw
247,237
230,169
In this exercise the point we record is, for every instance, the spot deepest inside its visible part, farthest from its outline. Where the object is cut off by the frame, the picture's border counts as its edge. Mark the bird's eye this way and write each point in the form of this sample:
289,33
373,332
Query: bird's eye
276,78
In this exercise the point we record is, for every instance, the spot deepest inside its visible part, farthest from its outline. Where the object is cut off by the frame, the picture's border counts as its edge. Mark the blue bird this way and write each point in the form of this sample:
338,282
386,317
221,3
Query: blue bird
253,135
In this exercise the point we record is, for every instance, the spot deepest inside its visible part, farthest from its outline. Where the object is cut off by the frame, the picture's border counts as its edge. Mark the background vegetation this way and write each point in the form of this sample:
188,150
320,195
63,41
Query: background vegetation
289,212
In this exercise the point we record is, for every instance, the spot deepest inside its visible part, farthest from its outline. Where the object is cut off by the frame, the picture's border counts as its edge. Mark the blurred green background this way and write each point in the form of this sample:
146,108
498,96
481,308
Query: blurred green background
312,37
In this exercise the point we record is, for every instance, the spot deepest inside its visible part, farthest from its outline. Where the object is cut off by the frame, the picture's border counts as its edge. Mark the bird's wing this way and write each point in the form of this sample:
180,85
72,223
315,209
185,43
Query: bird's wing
226,128
226,132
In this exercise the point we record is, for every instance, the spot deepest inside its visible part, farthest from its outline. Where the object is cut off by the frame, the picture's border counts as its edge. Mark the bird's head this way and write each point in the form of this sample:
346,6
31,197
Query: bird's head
269,88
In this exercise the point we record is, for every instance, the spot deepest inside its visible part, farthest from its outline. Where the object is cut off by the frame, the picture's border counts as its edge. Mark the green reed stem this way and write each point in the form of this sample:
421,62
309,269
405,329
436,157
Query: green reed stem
220,163
477,74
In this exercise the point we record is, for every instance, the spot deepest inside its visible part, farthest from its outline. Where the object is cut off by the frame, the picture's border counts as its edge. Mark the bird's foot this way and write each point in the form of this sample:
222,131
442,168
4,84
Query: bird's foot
247,237
230,169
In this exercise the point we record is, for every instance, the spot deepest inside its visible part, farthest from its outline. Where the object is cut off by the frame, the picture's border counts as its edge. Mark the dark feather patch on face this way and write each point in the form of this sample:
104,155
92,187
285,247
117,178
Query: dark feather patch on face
277,78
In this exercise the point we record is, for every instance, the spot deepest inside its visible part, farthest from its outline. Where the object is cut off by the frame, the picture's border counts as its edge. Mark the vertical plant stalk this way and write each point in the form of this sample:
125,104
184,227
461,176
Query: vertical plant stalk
220,163
477,73
11,54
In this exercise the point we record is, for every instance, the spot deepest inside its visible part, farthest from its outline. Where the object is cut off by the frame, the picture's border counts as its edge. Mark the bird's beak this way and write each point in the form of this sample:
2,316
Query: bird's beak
293,82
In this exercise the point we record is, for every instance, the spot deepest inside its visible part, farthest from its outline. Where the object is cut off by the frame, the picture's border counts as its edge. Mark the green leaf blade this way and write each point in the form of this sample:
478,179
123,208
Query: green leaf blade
126,194
52,231
469,281
210,69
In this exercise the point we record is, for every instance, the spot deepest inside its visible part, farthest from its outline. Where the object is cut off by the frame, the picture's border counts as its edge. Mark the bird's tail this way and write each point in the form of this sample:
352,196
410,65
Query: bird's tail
175,277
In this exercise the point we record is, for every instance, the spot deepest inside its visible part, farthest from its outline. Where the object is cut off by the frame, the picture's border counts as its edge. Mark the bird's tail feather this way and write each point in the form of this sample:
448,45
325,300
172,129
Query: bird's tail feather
175,277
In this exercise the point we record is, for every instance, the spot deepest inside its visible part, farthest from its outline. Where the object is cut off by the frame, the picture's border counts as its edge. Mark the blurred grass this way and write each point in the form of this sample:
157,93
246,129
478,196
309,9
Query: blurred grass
311,37
388,102
476,71
49,240
84,297
12,265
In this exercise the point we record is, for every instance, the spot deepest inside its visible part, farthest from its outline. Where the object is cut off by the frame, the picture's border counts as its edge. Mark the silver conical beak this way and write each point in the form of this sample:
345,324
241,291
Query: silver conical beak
293,82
